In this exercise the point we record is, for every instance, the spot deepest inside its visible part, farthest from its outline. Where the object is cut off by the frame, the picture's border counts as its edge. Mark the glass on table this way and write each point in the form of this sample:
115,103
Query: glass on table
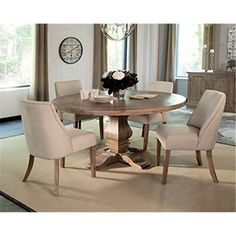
84,94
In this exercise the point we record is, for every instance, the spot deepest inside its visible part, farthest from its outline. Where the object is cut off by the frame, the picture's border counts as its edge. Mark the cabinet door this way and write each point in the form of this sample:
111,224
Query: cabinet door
225,84
197,84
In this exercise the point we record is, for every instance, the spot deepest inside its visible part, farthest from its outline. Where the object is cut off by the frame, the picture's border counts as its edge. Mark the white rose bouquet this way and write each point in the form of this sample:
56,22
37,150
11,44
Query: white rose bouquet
118,80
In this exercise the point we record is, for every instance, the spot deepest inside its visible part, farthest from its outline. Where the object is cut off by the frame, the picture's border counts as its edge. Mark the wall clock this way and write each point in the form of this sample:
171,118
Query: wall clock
70,50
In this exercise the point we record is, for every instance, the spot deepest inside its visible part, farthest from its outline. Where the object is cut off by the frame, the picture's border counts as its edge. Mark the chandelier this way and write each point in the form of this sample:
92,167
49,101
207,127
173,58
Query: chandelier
117,31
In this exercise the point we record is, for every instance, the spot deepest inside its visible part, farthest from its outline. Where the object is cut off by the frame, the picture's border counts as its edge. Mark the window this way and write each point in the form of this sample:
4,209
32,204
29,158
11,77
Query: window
16,55
116,54
189,48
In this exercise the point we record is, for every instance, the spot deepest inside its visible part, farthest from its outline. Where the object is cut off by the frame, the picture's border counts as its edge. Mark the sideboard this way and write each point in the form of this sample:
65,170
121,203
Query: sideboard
198,82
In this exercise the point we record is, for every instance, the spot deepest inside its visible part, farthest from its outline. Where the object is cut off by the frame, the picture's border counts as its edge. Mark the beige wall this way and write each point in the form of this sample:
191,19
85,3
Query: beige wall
58,70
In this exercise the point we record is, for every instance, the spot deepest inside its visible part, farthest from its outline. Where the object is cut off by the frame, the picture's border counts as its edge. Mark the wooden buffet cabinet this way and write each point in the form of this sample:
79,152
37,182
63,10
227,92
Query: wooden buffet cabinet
198,82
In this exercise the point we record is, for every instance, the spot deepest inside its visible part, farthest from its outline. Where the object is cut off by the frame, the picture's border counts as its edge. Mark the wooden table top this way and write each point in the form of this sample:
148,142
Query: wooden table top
162,102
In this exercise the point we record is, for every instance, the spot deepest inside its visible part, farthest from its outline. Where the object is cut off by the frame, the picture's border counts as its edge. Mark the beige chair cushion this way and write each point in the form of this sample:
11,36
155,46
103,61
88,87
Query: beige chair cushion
159,86
178,137
68,87
81,139
207,117
207,108
45,134
200,133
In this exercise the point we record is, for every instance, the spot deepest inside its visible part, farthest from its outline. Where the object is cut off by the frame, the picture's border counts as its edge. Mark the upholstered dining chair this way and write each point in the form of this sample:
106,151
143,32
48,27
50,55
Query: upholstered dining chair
198,134
148,119
47,138
71,87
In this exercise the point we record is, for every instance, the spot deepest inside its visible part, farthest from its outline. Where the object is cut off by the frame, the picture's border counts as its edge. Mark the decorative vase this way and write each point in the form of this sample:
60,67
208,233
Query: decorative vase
120,95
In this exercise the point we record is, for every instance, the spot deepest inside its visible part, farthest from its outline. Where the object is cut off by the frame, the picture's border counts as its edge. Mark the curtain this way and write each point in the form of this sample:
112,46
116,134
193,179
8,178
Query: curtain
147,54
132,54
39,86
171,53
100,56
162,52
209,42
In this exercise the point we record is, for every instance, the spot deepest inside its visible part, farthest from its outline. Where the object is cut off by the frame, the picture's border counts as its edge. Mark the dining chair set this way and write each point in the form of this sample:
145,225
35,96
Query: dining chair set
48,138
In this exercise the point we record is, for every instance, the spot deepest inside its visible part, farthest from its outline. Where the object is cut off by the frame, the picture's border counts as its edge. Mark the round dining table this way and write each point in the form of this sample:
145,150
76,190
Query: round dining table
117,132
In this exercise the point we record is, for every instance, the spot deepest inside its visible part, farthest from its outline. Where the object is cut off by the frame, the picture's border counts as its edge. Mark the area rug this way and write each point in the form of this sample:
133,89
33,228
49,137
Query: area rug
118,187
10,204
10,128
227,130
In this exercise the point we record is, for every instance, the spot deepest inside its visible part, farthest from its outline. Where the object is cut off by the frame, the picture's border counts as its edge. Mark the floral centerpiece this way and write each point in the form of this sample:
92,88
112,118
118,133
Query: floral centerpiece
115,81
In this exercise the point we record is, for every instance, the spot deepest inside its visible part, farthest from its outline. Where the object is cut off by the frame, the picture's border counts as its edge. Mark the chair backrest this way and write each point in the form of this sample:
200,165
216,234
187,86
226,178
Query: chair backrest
160,86
45,134
68,87
207,117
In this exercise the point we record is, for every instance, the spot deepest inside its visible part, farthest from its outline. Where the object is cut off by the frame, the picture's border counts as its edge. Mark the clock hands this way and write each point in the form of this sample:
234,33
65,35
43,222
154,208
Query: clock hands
73,49
70,50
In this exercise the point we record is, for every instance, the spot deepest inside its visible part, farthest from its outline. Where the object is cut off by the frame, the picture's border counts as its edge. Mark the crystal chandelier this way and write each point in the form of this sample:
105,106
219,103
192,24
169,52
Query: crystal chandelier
117,31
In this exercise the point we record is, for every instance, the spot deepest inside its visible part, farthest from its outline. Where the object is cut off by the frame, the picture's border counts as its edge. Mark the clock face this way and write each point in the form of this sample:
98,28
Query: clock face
70,50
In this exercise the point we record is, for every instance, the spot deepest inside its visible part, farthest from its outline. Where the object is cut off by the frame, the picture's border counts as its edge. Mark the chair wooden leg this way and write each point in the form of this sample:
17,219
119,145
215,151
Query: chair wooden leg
198,156
77,124
62,162
143,130
145,138
165,166
29,168
92,151
101,128
56,177
211,166
158,152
